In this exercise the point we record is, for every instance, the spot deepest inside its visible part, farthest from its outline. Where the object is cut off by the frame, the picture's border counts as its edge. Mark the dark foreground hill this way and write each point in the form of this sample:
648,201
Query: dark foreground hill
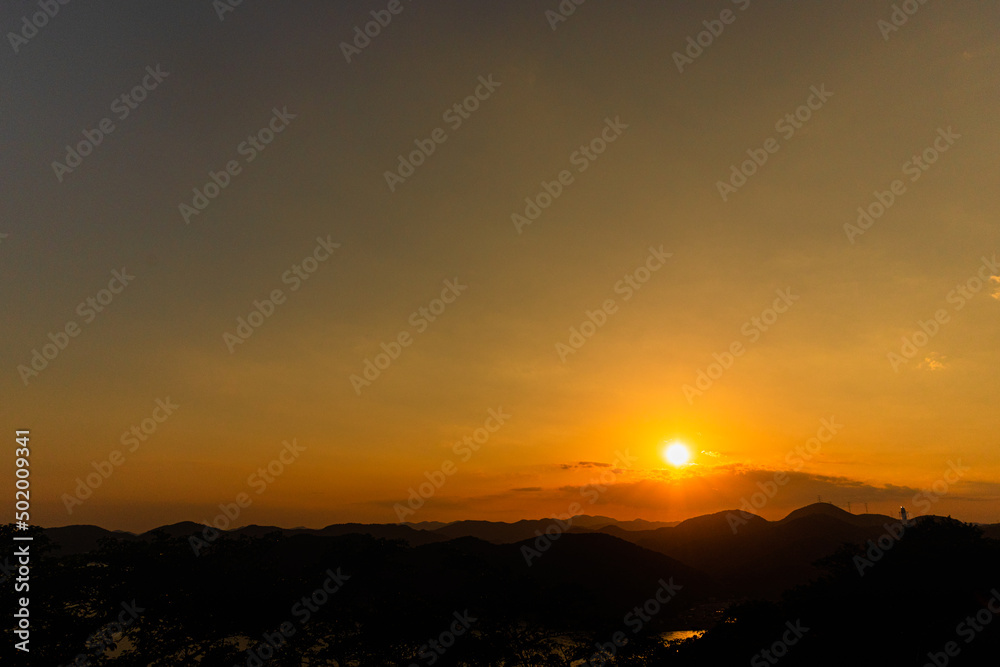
352,599
748,555
904,599
818,588
930,597
755,557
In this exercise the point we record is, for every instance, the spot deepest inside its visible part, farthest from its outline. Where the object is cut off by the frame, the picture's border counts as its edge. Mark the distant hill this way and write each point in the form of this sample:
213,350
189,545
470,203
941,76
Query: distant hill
425,525
579,521
744,554
182,529
827,509
499,532
390,531
81,539
505,533
752,556
599,522
991,530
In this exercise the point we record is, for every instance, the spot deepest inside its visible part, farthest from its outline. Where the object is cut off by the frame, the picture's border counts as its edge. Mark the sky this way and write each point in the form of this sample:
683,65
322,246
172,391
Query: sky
487,260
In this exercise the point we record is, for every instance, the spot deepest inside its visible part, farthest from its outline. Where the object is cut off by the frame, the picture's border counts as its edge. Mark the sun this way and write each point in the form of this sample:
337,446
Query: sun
677,454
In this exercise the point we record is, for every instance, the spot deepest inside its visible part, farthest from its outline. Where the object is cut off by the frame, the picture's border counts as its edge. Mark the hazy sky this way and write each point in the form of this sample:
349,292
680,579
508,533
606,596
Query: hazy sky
624,133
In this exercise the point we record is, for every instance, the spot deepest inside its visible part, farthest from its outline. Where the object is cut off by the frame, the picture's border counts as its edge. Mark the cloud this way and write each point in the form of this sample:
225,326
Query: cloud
722,488
932,362
584,464
996,290
527,489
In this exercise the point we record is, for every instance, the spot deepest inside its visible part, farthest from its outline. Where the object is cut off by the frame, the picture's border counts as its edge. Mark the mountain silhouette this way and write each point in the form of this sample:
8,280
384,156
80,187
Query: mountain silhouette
745,554
828,509
752,556
547,599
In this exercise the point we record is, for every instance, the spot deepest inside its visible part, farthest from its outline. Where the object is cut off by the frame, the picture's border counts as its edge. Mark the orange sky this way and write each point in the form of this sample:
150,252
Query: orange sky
587,321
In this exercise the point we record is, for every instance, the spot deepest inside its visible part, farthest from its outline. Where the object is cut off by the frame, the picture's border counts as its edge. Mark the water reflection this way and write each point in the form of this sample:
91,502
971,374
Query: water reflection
679,635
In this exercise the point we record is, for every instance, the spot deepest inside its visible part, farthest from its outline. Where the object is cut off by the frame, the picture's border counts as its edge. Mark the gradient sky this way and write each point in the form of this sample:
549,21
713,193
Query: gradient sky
495,346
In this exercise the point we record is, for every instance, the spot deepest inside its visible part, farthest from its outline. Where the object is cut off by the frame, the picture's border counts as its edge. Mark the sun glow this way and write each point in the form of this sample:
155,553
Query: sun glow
677,454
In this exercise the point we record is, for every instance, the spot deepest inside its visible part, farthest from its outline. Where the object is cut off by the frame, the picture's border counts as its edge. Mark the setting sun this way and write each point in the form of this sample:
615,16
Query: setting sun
676,454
